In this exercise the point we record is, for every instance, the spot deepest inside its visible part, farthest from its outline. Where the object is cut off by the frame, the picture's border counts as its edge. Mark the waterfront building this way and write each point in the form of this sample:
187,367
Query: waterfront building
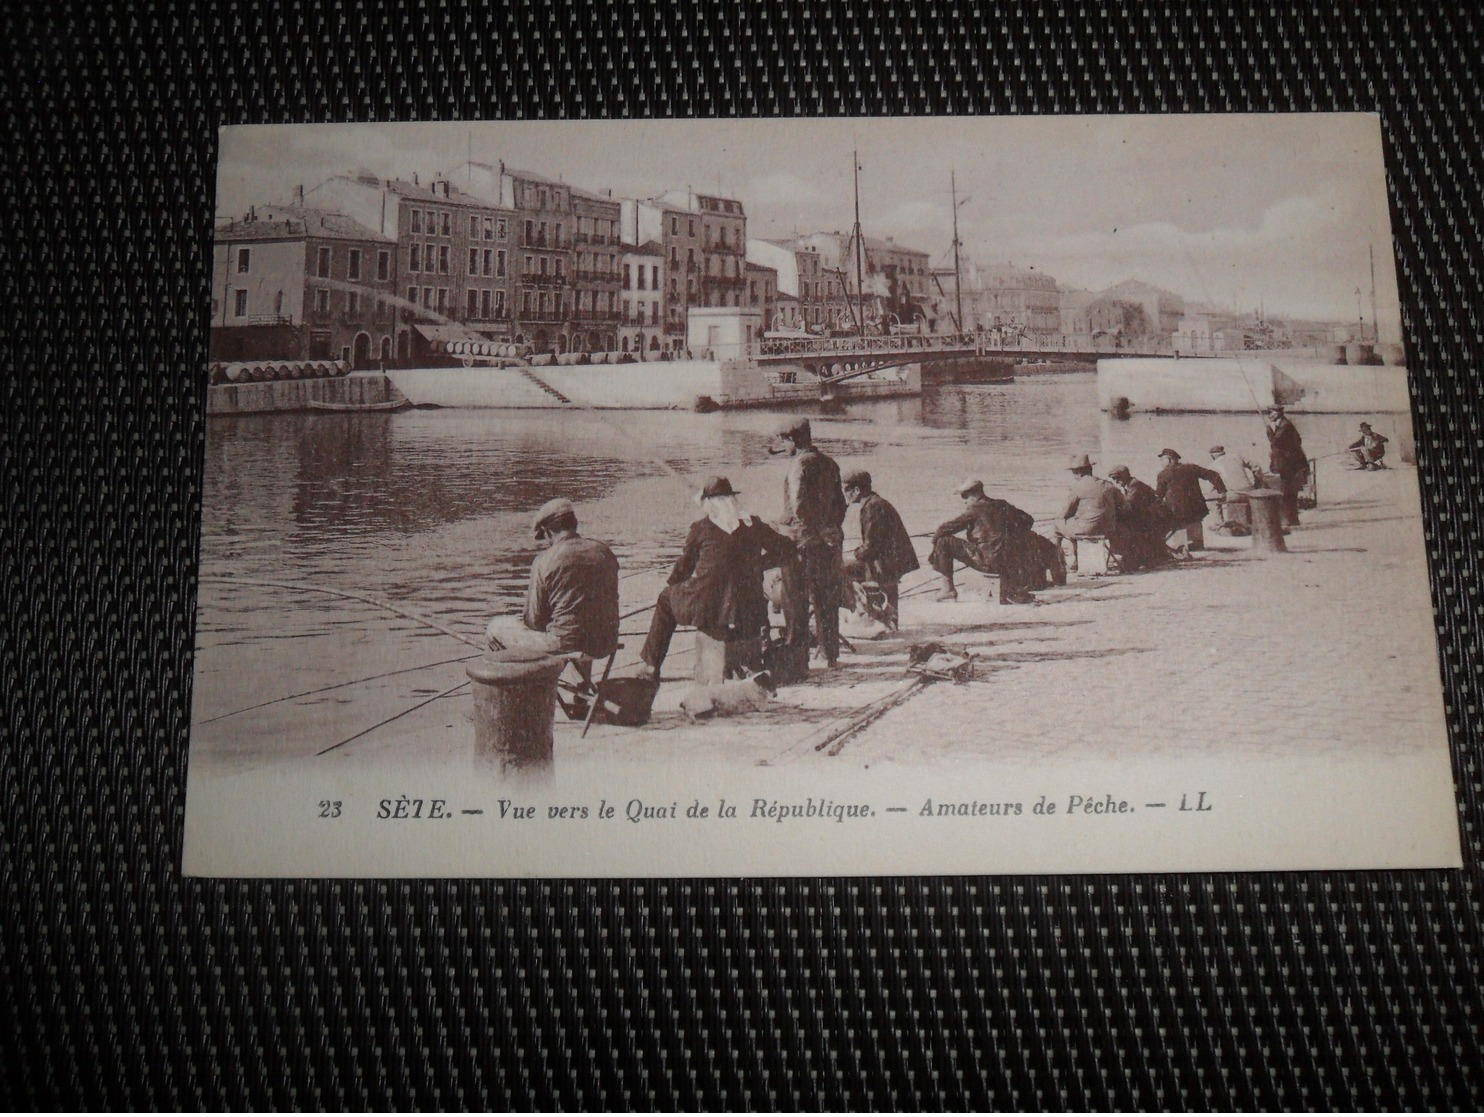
1161,309
596,249
292,282
455,258
896,282
704,241
761,292
643,329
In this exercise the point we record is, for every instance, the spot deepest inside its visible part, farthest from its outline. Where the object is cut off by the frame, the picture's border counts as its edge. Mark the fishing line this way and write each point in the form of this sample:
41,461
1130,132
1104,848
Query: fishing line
394,717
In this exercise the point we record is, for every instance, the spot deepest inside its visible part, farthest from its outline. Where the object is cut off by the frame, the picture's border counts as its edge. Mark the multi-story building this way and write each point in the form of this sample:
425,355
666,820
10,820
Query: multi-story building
895,282
761,292
295,283
704,240
455,252
643,328
596,250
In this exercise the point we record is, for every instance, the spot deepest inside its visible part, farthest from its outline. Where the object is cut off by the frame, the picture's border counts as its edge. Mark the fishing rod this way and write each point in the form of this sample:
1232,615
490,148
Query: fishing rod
338,686
387,721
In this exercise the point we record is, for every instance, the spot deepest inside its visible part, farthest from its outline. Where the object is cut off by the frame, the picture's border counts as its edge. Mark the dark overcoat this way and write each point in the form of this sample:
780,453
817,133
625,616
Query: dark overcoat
1179,486
995,527
1286,455
717,583
886,548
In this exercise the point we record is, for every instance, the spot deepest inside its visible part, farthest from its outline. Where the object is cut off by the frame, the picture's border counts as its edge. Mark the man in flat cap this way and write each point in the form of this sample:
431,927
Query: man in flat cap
1091,511
716,585
572,597
886,552
1239,475
1287,459
996,541
813,515
1178,487
1144,522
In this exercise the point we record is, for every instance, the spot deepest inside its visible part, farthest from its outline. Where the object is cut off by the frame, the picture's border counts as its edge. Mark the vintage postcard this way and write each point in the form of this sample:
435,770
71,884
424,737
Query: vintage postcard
811,497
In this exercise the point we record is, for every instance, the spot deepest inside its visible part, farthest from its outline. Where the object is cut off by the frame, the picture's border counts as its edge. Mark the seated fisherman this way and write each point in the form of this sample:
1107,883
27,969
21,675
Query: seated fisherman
886,552
997,541
716,585
1144,523
1239,475
1179,487
1369,448
572,598
1091,511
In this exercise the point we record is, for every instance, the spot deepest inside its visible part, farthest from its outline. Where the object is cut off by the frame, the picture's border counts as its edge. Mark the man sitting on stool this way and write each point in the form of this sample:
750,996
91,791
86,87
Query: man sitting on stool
1091,511
572,598
886,552
716,585
997,543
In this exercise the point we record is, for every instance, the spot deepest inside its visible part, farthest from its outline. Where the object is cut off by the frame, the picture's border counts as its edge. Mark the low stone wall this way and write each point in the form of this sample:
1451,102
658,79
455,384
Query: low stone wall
295,395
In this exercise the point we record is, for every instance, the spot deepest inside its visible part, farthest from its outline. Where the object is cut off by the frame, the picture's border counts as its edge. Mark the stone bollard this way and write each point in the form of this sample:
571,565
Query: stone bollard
514,707
1266,506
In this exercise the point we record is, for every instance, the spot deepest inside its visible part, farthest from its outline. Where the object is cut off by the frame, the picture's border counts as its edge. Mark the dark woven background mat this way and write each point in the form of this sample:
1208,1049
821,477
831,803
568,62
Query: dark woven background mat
126,986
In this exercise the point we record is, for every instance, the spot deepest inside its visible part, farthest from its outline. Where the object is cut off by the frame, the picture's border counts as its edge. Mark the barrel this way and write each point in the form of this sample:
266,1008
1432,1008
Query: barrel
1266,506
515,692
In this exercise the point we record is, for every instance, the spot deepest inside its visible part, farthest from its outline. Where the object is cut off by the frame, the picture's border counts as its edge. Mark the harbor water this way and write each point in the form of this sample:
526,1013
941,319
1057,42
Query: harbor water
431,510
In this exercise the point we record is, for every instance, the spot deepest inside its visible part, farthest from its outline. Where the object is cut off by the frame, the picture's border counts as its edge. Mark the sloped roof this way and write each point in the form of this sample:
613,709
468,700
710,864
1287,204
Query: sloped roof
298,223
648,248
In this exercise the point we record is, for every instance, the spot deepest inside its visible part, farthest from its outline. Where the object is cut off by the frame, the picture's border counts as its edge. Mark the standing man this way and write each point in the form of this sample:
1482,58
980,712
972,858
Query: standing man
996,542
1092,510
1287,459
572,597
716,584
886,552
813,512
1178,486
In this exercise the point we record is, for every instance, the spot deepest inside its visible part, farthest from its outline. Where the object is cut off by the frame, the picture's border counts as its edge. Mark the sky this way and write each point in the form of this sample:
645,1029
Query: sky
1243,211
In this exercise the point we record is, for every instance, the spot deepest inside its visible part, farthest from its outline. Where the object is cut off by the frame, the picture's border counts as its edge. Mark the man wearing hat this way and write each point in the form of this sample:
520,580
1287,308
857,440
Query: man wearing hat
1239,475
813,512
1178,487
886,552
1092,510
1369,448
1287,459
572,597
716,585
997,541
1143,522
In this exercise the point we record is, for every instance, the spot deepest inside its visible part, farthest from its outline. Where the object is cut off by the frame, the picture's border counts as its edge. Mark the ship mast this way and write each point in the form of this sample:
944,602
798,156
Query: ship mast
958,277
860,290
1375,322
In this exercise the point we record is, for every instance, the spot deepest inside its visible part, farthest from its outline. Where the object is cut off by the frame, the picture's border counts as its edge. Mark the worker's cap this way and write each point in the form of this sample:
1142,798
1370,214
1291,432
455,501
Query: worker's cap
1215,450
1120,471
856,479
969,485
1168,453
716,486
794,429
1079,461
553,509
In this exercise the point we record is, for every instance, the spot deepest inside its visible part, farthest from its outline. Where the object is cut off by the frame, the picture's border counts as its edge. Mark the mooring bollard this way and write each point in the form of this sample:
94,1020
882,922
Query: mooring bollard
515,694
1267,526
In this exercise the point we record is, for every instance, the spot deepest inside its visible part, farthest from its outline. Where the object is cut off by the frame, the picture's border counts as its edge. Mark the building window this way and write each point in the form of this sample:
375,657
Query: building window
542,264
542,236
559,265
428,298
473,227
417,221
322,301
530,266
628,277
502,228
674,226
443,258
558,241
383,265
443,300
446,225
500,263
489,261
500,304
244,259
324,263
543,304
489,228
473,307
654,276
530,232
692,224
353,264
414,257
473,261
641,310
239,302
484,303
412,295
353,302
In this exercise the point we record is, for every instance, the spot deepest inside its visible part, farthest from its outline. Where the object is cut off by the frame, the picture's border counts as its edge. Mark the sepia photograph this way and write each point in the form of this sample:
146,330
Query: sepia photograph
811,497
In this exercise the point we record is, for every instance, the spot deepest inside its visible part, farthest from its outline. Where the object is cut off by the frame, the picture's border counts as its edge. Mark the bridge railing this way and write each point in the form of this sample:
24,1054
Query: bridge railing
930,343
